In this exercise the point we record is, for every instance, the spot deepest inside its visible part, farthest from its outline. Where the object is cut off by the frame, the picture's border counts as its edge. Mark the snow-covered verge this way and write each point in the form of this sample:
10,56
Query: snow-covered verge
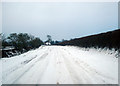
61,65
102,60
105,50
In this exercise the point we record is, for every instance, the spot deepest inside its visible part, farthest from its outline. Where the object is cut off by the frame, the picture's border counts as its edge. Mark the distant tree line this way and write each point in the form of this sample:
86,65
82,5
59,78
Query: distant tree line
22,41
109,39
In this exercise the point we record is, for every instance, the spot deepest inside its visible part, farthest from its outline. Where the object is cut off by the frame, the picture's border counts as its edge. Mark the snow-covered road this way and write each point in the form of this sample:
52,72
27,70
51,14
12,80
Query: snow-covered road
60,65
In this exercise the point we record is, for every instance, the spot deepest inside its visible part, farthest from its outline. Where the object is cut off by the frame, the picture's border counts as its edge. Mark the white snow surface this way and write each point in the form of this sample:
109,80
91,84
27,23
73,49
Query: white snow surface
60,65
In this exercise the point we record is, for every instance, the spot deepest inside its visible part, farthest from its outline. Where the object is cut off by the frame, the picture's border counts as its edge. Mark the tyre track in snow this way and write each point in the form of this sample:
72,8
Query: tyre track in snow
27,66
55,65
78,75
87,67
63,75
84,73
21,63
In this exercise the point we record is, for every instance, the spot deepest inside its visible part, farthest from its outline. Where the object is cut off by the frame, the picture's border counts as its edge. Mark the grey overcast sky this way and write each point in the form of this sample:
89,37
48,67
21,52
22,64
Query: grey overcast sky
61,20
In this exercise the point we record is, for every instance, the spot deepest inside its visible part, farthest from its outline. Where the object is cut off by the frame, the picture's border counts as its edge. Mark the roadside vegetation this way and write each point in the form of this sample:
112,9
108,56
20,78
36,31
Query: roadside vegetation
109,40
16,44
19,43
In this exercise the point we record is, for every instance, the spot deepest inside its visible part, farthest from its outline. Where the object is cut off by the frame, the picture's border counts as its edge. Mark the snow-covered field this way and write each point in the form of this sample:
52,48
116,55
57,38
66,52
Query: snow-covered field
61,65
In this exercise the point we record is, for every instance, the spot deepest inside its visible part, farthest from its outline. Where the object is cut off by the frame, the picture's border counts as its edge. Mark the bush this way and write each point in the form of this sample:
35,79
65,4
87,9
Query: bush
22,41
